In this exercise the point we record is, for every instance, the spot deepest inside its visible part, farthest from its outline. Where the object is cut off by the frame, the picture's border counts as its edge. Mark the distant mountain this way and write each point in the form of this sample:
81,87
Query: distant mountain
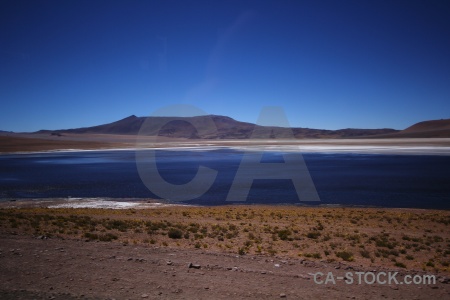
435,128
227,128
425,129
129,125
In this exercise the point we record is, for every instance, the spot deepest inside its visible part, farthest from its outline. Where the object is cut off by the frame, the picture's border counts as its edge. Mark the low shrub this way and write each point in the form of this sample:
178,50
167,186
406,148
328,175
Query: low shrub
345,255
175,233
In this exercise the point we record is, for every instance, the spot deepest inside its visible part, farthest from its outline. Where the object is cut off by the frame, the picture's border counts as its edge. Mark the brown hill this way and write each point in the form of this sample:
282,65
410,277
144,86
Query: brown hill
227,128
433,125
425,129
179,127
433,128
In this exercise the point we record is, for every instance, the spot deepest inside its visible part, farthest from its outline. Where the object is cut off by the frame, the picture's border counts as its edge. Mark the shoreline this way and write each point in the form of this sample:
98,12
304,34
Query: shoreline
36,143
364,150
148,203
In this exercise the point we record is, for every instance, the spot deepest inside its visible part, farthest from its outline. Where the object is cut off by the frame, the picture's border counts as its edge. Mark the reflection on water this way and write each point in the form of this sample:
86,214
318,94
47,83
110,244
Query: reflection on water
343,178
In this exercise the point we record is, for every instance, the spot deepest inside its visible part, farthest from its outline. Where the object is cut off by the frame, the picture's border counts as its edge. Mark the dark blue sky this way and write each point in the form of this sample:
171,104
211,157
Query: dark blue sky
329,64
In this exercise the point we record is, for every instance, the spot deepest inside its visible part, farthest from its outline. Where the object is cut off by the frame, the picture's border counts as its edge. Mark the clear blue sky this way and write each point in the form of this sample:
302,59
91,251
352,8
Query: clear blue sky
329,64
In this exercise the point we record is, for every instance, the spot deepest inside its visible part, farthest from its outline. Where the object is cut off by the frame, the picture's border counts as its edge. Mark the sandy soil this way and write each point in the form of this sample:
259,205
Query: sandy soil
66,269
17,143
53,254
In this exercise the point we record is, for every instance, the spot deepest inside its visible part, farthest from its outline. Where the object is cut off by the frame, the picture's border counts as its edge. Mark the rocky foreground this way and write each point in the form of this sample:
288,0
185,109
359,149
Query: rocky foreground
222,253
66,269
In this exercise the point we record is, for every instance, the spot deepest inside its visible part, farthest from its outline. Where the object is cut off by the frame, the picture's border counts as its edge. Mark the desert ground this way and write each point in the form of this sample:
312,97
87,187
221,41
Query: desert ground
227,252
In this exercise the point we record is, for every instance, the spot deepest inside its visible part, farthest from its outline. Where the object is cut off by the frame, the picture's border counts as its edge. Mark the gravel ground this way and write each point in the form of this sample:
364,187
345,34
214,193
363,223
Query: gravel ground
32,268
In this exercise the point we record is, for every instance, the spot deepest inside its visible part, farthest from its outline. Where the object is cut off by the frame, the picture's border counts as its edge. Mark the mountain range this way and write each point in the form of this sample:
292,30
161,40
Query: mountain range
228,128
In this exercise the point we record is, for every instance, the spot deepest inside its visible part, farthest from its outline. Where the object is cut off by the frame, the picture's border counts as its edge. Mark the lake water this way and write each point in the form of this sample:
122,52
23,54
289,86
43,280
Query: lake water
415,181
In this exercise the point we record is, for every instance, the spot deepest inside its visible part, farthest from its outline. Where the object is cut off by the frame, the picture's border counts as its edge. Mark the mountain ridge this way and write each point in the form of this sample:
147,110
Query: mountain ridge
227,128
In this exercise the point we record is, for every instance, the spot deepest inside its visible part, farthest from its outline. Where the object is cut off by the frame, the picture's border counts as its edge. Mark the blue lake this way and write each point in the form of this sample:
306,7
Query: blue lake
415,181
